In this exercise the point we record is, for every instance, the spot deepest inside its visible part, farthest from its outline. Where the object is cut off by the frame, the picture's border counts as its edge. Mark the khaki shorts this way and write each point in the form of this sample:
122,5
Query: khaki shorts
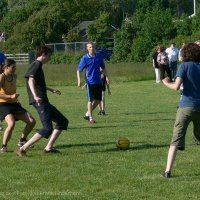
183,117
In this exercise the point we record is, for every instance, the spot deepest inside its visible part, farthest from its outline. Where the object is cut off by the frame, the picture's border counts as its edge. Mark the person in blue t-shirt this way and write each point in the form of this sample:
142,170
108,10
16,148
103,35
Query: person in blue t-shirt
189,106
92,62
2,59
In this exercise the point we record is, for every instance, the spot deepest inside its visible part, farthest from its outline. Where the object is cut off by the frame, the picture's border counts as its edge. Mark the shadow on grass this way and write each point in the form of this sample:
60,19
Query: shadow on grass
139,147
63,146
122,124
148,113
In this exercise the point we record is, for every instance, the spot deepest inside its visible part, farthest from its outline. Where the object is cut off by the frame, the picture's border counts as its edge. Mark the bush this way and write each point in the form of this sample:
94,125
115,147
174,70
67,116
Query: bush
63,58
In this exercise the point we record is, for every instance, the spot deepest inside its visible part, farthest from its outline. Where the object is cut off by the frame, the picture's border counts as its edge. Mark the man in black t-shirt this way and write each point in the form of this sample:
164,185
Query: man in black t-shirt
37,92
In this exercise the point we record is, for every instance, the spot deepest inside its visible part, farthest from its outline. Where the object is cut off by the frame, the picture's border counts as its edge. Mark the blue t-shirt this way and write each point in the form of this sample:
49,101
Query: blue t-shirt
92,64
2,58
190,73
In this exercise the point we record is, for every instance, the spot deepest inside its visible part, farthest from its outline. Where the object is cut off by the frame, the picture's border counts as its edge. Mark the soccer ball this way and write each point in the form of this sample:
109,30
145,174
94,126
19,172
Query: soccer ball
122,143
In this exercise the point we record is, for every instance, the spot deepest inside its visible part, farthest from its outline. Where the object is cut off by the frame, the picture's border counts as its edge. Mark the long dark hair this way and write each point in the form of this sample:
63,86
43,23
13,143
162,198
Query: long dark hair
8,62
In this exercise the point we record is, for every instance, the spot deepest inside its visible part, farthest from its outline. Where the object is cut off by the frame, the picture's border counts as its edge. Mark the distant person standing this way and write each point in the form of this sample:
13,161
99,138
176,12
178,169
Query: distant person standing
105,85
92,62
189,106
172,53
163,63
37,92
156,65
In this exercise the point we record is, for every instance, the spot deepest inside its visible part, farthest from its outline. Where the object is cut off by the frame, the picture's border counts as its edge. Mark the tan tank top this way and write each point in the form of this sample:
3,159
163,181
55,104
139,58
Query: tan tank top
8,88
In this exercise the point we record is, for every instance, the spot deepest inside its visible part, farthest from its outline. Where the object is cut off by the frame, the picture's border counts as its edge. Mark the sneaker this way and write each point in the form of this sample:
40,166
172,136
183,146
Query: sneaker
167,174
4,149
20,153
99,112
22,142
1,128
51,151
86,117
103,112
92,121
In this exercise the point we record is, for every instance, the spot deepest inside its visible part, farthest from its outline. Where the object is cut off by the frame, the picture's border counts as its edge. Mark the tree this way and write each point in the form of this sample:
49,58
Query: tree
3,8
99,30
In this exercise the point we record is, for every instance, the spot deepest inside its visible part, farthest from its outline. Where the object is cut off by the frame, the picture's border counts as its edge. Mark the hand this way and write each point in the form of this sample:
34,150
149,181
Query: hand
14,96
107,80
83,87
38,100
166,80
79,83
56,91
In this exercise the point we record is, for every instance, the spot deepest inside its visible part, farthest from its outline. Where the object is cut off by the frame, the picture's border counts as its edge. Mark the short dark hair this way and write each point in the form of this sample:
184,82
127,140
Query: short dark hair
43,50
190,52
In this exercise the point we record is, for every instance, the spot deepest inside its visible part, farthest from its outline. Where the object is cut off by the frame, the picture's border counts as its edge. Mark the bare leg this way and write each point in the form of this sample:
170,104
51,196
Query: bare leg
52,139
30,123
10,120
30,142
171,157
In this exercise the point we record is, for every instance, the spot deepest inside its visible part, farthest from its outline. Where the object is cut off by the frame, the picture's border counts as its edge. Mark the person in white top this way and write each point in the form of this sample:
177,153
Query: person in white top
172,53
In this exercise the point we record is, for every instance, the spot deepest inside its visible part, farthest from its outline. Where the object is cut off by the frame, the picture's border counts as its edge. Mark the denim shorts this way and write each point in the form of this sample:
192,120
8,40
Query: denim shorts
183,117
48,114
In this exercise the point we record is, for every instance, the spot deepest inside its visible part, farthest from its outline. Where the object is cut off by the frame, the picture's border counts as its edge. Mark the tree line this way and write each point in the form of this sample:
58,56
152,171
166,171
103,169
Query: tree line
136,26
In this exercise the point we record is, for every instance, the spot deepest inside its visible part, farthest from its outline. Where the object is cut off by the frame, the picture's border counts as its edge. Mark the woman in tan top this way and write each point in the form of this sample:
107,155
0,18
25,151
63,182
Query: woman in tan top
10,109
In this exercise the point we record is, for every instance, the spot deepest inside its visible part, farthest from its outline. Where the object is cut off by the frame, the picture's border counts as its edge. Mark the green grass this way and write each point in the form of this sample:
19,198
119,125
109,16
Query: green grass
66,74
90,166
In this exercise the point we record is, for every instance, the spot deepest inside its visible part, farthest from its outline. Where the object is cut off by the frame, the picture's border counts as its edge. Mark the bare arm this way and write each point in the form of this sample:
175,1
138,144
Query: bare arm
106,74
31,83
54,90
174,86
79,78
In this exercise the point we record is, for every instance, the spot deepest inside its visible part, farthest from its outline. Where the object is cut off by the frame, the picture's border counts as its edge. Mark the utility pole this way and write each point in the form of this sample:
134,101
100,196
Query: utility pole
194,9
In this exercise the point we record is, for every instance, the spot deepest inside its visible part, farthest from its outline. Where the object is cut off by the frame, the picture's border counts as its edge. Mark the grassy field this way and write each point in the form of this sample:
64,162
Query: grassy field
66,74
90,167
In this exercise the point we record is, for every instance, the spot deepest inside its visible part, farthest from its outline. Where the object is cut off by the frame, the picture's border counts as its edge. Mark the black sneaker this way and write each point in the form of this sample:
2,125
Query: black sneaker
167,174
51,151
86,117
99,112
103,112
22,142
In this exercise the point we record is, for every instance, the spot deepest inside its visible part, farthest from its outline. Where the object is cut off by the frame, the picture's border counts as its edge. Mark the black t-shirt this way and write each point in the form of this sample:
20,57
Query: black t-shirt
35,71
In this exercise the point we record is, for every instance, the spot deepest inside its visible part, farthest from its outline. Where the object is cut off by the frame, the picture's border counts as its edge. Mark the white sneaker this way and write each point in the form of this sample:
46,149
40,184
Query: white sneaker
4,149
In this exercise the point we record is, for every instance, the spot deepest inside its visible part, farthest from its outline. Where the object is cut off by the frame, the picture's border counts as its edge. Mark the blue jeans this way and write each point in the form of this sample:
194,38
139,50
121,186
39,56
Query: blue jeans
48,114
173,68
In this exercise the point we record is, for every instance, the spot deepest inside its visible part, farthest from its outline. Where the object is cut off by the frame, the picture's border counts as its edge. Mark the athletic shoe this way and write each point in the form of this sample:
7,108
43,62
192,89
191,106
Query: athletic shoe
20,153
1,128
103,112
99,112
86,117
4,149
92,121
51,151
167,174
22,142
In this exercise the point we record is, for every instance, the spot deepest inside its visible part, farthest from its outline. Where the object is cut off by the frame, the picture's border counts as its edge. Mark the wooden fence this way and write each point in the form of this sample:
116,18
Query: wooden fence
20,58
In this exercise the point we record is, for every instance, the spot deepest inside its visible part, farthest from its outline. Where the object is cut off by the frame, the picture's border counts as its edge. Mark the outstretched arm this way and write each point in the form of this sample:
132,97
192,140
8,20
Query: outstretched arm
54,90
174,86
